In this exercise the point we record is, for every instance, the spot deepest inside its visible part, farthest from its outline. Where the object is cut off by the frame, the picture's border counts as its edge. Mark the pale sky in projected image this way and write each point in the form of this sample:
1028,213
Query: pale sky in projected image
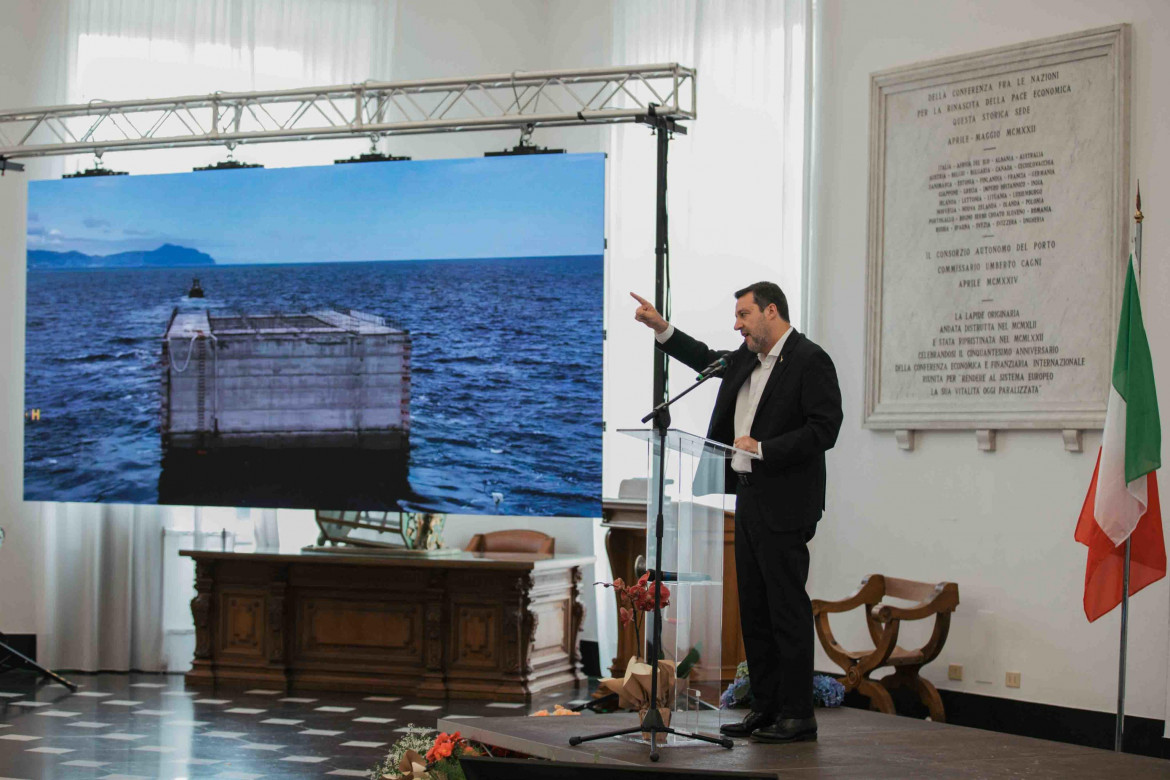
538,205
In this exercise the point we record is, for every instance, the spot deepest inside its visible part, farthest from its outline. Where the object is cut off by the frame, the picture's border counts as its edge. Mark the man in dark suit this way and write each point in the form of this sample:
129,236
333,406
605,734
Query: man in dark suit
779,400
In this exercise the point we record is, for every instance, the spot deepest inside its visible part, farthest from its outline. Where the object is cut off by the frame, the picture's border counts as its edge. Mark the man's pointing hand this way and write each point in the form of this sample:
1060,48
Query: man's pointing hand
648,315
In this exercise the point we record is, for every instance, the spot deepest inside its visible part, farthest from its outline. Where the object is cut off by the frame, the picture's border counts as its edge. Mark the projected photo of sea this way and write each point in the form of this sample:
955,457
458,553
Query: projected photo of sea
383,336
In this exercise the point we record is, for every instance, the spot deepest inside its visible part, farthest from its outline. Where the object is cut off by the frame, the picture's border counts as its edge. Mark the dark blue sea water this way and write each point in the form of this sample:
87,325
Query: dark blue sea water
505,379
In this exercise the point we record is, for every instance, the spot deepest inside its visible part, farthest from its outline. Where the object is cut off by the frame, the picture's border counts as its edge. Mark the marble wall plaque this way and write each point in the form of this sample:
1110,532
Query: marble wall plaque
998,235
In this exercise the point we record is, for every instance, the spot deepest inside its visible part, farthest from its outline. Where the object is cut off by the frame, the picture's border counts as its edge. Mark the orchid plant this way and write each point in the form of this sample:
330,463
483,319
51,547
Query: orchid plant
637,598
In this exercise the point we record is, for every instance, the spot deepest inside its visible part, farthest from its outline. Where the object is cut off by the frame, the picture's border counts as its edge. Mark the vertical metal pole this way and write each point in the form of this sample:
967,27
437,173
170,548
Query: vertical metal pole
1137,239
654,717
1119,730
660,253
660,378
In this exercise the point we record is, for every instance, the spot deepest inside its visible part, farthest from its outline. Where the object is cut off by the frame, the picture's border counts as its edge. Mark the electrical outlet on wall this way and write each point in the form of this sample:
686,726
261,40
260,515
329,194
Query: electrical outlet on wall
955,672
1012,679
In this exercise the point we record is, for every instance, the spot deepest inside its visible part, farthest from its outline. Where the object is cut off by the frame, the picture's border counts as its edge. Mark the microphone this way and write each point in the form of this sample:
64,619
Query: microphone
716,368
667,576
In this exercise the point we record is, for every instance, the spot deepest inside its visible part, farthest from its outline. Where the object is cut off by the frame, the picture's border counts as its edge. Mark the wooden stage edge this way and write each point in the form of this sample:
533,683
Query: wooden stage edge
852,744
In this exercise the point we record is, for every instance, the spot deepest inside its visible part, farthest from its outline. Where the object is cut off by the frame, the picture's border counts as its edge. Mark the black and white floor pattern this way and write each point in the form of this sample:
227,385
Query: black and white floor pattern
150,726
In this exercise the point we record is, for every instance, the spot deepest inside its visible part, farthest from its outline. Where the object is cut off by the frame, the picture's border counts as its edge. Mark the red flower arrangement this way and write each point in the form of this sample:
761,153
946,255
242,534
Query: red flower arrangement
638,597
441,761
444,745
642,593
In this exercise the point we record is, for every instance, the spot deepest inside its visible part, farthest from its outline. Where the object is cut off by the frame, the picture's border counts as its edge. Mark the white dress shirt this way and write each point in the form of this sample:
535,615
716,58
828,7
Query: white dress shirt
749,396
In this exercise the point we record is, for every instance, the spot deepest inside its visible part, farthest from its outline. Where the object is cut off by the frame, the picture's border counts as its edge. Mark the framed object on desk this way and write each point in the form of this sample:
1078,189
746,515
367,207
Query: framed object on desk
413,532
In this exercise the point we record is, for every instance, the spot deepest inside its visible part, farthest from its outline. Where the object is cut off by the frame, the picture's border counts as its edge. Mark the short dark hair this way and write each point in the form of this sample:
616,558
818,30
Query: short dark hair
765,293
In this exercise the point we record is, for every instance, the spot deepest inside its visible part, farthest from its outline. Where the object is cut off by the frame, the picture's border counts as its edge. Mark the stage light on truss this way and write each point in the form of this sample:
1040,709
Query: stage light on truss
525,146
227,165
230,164
373,155
98,169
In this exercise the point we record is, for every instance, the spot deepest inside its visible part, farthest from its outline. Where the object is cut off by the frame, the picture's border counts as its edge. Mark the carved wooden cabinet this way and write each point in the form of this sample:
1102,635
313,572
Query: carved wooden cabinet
471,625
625,539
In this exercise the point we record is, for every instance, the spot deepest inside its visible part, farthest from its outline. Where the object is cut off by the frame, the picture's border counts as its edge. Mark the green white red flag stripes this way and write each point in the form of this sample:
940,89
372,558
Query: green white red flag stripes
1122,502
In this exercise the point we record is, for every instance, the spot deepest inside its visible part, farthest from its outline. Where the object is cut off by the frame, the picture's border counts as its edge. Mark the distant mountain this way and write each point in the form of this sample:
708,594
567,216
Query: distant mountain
166,256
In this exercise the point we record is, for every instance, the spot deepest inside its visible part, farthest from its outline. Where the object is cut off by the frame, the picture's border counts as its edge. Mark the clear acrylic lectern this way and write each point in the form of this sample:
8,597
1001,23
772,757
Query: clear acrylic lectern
693,508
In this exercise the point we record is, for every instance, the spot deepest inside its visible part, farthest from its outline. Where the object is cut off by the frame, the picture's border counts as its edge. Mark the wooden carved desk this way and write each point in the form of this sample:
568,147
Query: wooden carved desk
625,540
468,625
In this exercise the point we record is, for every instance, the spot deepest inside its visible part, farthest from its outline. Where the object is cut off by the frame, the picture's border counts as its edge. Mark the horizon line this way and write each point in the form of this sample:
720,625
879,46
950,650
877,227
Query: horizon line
224,264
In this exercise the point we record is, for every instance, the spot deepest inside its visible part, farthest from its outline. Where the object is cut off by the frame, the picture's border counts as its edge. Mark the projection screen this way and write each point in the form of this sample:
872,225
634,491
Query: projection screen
413,336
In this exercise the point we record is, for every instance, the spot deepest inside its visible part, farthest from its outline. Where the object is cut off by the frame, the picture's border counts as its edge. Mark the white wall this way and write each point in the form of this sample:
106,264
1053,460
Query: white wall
999,524
26,69
18,570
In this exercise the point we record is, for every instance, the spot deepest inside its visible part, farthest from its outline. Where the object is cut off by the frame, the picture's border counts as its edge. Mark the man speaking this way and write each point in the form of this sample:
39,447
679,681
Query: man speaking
779,398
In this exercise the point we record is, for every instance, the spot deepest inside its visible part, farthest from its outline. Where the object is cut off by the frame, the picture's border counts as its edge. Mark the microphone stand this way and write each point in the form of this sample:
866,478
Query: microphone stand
11,658
652,723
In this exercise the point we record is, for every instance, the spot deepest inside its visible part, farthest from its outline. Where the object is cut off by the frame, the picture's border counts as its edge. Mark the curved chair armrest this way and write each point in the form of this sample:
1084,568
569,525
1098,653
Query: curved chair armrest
886,643
870,591
944,599
829,642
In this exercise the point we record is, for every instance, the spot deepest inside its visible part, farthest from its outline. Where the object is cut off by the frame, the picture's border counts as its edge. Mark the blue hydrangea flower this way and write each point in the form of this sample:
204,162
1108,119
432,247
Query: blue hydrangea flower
739,692
827,692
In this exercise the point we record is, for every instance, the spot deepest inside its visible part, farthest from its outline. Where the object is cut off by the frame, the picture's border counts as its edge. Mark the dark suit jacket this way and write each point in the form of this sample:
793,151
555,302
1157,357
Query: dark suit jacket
797,420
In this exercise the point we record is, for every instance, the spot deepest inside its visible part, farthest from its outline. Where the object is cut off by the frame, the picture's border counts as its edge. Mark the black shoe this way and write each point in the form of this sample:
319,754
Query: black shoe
788,730
753,721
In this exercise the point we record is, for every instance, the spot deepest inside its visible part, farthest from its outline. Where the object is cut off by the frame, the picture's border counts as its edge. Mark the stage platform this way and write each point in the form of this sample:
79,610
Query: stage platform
852,744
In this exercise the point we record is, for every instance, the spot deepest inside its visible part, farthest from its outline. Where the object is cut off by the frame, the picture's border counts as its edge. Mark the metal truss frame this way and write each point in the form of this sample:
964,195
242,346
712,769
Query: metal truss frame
370,109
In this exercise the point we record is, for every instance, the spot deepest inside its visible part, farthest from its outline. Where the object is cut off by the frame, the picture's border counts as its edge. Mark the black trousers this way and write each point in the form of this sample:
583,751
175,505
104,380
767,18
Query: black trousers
775,612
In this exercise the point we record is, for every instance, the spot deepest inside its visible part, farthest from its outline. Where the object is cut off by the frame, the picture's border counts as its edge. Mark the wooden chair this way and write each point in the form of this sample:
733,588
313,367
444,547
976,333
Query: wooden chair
513,541
883,620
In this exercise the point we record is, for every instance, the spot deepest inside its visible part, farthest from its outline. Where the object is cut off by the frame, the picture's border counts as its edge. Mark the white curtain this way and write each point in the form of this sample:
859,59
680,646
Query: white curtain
116,594
103,602
736,192
266,529
197,46
737,179
736,188
123,49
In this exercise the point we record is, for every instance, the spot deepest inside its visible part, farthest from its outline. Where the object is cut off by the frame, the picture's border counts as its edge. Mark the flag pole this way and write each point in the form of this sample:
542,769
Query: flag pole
1119,732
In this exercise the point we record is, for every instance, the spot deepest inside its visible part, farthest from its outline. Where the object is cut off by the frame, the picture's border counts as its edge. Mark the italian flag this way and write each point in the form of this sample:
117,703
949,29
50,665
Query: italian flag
1123,498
